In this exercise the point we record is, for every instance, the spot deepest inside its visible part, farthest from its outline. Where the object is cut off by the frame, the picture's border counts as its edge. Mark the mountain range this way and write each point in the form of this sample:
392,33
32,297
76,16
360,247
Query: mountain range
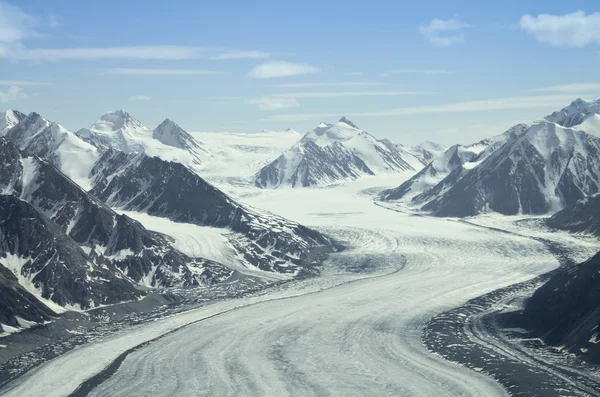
533,168
63,246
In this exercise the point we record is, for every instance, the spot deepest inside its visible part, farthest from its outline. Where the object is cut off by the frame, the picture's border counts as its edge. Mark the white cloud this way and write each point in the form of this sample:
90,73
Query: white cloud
274,103
510,103
12,94
444,32
15,25
416,71
139,98
21,82
161,72
570,30
232,54
275,69
326,84
574,88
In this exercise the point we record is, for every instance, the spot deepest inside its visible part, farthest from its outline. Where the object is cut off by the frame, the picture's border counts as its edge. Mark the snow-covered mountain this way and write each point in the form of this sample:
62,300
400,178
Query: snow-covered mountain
36,136
540,171
531,169
427,151
171,134
445,168
137,182
118,130
581,217
576,113
334,152
9,119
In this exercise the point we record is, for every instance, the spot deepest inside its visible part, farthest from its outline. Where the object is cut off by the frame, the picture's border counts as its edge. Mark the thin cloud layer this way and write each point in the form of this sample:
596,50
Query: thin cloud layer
510,103
161,72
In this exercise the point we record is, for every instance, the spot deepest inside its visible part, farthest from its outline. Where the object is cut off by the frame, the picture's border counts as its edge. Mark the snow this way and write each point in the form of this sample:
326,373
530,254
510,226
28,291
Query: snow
30,174
591,125
8,119
350,338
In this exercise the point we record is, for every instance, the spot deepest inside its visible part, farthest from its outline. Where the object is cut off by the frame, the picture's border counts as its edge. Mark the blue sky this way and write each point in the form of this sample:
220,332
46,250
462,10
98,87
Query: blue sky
448,71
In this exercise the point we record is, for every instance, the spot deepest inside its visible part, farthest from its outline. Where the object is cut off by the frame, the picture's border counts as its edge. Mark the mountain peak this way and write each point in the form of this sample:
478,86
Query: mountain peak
119,120
350,123
576,113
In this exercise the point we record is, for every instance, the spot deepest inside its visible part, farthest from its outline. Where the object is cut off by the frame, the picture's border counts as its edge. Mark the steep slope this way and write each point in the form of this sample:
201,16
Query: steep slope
171,134
576,113
539,171
581,217
19,307
36,136
334,152
8,119
565,311
142,256
138,182
51,266
447,168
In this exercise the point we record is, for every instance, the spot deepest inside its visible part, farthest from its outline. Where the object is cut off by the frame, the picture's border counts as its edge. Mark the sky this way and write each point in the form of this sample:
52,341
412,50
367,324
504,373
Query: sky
440,70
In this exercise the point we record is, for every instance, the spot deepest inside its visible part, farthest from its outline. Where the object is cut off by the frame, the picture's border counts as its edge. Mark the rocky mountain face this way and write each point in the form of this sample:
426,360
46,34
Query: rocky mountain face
118,130
565,311
171,134
581,217
530,169
137,182
543,170
331,153
50,265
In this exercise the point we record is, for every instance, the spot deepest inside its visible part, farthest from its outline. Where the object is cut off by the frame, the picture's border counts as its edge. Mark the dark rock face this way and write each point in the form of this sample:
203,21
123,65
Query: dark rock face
37,251
18,302
542,170
312,165
170,190
142,256
581,217
566,310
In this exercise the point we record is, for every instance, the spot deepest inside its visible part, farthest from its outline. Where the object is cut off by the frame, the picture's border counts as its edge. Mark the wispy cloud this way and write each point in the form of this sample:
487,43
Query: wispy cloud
290,99
573,88
139,98
356,74
510,103
274,103
342,94
444,32
17,26
327,84
233,54
276,69
12,94
570,30
161,72
22,83
416,71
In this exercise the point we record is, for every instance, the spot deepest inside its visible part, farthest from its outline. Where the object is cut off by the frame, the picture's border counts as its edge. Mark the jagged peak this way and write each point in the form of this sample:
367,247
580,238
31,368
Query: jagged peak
348,122
118,119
